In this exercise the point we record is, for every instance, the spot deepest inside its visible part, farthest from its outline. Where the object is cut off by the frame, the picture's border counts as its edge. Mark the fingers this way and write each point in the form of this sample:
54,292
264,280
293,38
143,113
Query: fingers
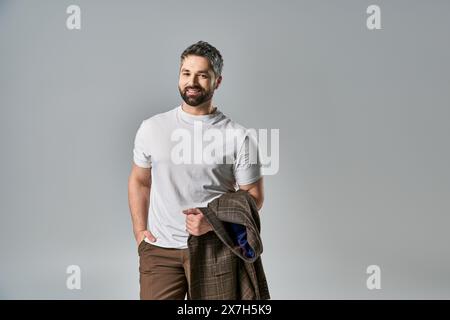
191,224
149,236
196,223
192,218
192,229
197,228
192,211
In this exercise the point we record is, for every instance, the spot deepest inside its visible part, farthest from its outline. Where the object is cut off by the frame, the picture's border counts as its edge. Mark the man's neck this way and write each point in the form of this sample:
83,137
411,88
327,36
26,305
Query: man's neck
202,109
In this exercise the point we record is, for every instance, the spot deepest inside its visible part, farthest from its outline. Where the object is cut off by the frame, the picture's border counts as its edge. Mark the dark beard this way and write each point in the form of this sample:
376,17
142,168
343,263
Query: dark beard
196,101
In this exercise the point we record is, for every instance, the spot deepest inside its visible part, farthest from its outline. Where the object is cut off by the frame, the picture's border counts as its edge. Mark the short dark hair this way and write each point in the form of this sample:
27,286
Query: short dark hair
204,49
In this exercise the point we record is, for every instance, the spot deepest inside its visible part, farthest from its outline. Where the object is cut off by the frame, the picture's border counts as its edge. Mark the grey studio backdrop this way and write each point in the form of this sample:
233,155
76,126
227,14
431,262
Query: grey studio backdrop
363,118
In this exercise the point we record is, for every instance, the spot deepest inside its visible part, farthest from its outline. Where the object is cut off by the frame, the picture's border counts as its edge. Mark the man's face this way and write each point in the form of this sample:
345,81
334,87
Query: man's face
197,81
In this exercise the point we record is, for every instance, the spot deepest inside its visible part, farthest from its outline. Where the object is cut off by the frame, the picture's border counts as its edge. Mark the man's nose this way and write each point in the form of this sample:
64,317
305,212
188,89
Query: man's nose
193,81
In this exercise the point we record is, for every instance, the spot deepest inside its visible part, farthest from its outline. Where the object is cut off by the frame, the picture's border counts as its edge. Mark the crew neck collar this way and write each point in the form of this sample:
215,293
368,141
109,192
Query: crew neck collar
204,118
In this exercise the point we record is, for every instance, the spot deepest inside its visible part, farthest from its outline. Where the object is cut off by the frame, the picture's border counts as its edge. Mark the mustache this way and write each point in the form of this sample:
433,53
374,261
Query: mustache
193,88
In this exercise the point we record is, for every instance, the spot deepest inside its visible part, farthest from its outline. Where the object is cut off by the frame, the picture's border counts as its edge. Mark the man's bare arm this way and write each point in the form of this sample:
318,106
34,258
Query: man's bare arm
256,190
139,184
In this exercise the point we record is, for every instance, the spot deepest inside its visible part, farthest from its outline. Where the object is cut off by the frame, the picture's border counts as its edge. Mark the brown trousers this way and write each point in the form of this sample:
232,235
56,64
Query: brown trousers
163,272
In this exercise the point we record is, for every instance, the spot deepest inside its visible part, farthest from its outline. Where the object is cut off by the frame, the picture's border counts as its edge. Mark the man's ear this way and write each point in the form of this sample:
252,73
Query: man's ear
218,81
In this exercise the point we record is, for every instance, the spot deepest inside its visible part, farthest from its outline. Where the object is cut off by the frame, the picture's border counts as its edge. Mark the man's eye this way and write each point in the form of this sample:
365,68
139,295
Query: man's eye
204,76
185,74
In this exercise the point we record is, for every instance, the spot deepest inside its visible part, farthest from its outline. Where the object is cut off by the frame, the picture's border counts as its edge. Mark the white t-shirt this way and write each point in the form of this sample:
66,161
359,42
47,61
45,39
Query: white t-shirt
184,177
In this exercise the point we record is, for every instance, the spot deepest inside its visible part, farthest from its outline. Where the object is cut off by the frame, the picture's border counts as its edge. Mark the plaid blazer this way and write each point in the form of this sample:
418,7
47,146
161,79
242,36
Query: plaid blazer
220,267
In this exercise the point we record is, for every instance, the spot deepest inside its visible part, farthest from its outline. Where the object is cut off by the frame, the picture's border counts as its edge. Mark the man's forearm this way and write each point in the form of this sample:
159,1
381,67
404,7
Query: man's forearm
258,202
139,199
258,197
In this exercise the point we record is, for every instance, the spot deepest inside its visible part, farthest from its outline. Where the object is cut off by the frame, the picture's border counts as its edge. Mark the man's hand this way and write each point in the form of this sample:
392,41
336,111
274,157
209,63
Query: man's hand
141,235
196,223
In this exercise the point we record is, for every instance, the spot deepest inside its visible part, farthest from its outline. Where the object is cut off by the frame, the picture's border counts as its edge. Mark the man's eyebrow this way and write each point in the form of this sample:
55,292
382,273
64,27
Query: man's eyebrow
201,71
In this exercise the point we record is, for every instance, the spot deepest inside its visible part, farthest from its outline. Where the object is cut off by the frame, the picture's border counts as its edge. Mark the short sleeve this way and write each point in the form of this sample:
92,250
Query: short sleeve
141,155
247,168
